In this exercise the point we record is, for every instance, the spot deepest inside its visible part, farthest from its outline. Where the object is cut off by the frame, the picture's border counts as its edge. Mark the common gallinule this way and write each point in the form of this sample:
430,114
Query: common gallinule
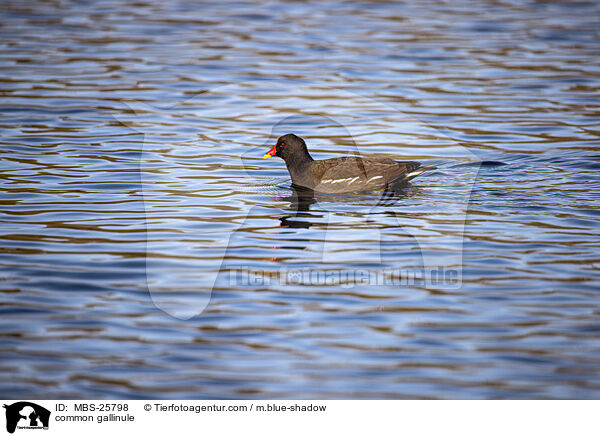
341,174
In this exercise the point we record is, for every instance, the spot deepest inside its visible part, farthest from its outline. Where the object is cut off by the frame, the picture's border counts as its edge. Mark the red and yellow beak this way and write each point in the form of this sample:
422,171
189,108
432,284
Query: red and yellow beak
271,152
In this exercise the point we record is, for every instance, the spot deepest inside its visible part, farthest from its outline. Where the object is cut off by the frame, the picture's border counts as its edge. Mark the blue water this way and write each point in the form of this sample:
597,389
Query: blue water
148,251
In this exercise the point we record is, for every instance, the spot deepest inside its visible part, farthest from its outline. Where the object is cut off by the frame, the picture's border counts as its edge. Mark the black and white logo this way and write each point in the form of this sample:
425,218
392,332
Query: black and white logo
26,415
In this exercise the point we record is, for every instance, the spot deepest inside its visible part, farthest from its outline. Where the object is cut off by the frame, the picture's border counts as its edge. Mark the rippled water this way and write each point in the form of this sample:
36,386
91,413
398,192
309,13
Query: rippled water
133,185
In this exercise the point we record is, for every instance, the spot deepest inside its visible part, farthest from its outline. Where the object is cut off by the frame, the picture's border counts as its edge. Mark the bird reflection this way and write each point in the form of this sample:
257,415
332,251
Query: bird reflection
301,199
300,202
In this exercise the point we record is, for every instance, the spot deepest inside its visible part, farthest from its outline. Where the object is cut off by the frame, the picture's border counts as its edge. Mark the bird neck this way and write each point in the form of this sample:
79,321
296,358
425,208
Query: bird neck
298,165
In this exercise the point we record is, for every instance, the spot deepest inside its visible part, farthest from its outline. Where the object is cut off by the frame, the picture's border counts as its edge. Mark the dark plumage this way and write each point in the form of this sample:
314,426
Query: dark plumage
341,174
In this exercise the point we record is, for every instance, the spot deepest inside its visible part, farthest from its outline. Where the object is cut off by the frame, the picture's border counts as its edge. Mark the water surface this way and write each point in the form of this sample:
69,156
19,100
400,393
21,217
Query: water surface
133,186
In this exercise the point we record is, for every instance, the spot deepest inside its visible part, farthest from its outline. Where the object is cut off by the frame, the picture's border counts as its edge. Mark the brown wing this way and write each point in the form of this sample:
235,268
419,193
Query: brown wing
347,174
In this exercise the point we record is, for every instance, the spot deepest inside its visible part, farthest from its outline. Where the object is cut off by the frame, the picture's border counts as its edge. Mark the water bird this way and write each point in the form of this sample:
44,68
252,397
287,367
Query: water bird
341,174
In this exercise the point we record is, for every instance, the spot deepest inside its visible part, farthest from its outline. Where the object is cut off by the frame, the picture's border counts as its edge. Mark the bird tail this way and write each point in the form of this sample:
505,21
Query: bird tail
415,172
